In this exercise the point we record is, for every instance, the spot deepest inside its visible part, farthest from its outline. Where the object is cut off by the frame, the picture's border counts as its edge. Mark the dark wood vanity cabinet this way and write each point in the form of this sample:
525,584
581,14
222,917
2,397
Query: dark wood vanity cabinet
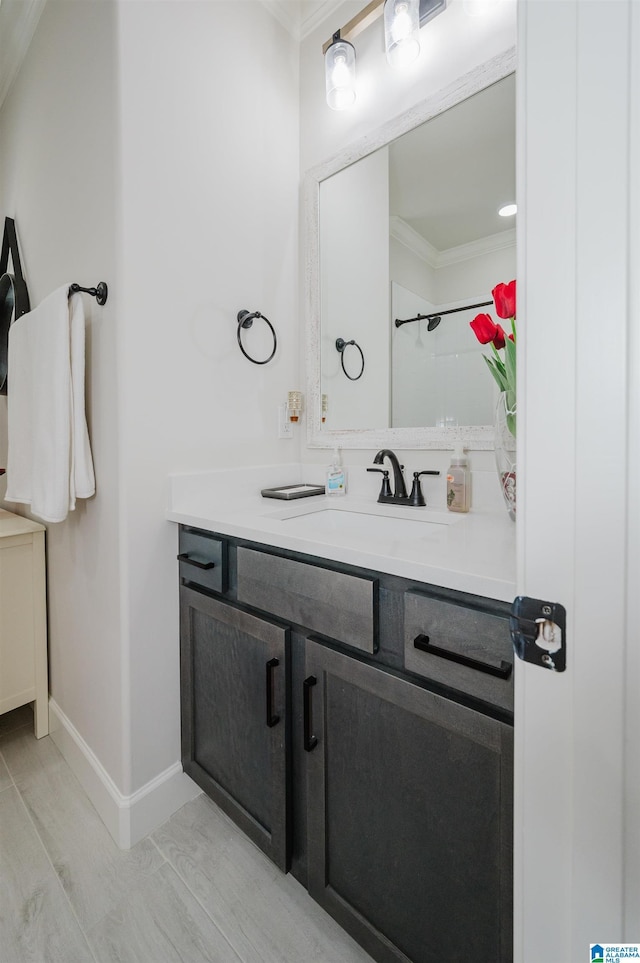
408,815
235,716
387,793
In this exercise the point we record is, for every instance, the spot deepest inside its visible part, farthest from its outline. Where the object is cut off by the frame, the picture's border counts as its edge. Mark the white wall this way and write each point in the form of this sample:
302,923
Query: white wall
463,280
210,204
153,145
410,270
59,180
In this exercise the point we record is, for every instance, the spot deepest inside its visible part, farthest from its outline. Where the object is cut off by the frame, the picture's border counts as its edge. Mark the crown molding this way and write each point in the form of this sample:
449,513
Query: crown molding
484,245
312,18
406,235
301,17
18,22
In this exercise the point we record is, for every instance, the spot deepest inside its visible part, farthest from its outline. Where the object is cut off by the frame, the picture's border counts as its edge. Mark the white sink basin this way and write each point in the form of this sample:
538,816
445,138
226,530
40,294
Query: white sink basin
344,521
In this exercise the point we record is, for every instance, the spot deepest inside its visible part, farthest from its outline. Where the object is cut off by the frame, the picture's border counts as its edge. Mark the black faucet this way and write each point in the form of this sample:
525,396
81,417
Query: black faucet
399,495
400,490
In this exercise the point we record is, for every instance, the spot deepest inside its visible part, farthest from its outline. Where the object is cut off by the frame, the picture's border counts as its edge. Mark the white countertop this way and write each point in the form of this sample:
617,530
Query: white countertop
473,552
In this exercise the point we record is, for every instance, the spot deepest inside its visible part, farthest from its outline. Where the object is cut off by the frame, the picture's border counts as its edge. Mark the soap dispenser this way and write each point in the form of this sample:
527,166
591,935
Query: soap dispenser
336,476
459,483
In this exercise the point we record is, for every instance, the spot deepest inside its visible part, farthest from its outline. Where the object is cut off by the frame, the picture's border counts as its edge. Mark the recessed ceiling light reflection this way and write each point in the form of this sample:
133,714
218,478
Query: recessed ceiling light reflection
508,210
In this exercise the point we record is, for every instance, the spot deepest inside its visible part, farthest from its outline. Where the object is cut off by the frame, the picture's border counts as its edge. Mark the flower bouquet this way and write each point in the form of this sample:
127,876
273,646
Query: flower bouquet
503,368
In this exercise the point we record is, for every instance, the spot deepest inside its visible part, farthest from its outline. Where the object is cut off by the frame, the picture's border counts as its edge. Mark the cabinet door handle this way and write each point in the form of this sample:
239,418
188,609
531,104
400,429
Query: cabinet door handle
502,671
310,742
184,557
272,719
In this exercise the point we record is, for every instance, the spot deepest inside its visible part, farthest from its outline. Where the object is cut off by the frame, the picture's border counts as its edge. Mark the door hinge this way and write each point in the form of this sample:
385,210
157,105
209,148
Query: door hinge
538,632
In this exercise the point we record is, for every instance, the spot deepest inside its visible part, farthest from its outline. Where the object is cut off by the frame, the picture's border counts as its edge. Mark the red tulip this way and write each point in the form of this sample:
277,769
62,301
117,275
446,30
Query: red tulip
498,341
504,297
485,330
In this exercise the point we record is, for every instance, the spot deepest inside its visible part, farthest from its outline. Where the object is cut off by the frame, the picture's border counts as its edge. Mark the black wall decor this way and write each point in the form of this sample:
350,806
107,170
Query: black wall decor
14,297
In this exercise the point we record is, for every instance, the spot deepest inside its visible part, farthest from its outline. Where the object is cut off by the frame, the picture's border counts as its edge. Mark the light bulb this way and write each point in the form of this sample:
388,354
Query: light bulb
340,74
401,26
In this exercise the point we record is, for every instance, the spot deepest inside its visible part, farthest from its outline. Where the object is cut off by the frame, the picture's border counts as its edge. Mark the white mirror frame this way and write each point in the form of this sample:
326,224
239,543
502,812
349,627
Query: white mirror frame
474,436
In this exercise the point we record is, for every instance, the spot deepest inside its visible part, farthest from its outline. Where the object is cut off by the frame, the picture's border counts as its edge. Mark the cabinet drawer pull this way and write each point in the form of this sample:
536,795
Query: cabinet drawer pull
310,742
184,557
502,671
272,719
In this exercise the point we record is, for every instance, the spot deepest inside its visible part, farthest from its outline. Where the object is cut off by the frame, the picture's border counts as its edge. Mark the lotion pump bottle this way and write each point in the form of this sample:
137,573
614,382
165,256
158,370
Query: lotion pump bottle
459,483
336,476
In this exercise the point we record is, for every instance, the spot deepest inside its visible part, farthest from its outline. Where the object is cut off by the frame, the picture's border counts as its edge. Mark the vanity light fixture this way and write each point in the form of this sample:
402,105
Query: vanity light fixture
402,22
294,406
508,210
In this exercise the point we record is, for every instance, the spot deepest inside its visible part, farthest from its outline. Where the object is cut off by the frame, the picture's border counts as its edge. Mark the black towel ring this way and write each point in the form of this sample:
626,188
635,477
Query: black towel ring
341,344
245,320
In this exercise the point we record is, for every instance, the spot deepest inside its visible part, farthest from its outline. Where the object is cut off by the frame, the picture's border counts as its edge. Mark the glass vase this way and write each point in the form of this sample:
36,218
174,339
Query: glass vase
505,449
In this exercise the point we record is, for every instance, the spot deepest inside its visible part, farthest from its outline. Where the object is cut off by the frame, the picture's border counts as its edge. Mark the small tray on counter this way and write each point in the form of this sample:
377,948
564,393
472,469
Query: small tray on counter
293,491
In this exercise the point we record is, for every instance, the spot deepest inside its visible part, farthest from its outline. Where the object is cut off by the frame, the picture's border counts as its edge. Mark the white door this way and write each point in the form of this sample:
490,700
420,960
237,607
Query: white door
577,856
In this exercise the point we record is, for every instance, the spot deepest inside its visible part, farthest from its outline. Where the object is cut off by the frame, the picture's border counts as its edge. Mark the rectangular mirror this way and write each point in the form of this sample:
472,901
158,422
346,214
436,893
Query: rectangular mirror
401,225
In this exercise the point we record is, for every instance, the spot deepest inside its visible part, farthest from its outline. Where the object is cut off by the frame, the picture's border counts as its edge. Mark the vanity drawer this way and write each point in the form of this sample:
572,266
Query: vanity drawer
340,606
462,647
203,559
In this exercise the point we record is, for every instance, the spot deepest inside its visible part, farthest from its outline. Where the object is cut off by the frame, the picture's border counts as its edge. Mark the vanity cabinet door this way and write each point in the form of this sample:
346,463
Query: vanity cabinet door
235,719
409,815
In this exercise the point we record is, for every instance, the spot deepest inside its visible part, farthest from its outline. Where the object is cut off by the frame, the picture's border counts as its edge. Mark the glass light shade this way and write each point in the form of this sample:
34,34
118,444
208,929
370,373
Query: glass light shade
340,74
401,27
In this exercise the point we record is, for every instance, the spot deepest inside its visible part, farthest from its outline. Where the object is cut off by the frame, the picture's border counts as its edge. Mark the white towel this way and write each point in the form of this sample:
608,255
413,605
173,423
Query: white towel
49,461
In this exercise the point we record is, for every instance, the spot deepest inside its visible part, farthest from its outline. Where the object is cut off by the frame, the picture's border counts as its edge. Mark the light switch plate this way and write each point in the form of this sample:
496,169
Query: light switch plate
285,428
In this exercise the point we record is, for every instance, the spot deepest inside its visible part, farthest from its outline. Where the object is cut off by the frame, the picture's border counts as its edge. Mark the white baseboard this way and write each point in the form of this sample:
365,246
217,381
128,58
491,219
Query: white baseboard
128,818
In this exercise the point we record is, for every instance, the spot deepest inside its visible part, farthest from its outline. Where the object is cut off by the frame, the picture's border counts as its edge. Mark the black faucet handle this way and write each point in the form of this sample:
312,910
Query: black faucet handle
416,498
385,491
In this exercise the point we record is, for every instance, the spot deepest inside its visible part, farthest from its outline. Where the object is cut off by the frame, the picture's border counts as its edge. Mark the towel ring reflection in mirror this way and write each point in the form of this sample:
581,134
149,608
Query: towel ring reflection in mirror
245,320
341,344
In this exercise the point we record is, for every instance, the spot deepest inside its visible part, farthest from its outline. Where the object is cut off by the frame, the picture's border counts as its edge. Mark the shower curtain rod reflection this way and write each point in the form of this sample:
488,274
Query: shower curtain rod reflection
434,319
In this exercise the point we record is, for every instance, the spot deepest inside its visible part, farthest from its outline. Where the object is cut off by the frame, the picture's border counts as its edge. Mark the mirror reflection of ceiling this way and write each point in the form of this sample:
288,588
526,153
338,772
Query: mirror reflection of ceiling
448,180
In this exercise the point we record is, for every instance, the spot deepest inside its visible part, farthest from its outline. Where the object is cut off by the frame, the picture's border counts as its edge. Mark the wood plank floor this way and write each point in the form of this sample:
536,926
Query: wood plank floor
195,891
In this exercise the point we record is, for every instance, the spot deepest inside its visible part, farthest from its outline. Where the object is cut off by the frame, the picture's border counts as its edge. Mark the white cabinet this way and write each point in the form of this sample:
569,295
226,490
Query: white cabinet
23,622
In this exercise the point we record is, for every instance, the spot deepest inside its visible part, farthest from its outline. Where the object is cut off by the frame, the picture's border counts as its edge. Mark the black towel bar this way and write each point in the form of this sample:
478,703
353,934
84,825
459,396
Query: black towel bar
99,293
